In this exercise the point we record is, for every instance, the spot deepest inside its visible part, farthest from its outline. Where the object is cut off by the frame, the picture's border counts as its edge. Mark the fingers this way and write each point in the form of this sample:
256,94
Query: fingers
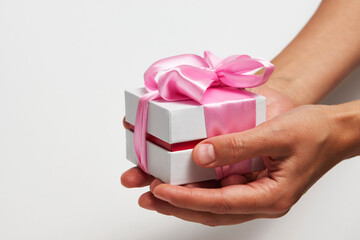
243,179
231,148
261,196
126,124
233,180
148,201
135,177
204,184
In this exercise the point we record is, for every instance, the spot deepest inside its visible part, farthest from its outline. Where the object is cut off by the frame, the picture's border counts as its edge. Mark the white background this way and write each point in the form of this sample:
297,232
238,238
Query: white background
63,68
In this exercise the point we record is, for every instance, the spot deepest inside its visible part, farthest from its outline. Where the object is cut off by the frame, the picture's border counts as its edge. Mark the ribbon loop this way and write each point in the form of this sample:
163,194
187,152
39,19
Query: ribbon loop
168,63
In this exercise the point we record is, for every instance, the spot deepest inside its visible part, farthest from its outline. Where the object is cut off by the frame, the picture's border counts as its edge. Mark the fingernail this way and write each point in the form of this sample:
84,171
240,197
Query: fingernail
205,154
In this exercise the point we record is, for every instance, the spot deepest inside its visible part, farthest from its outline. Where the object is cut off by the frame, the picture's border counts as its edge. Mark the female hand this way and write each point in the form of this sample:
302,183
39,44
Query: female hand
300,146
301,143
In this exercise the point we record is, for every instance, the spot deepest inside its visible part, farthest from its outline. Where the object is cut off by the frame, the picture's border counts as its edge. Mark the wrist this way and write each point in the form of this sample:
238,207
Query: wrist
286,87
290,79
345,121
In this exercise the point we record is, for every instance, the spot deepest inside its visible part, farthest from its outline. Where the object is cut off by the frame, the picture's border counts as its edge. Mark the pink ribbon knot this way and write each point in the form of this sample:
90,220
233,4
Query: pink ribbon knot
189,76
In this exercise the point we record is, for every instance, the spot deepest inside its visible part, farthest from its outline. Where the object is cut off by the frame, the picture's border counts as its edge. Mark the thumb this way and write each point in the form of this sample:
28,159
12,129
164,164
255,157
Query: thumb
232,148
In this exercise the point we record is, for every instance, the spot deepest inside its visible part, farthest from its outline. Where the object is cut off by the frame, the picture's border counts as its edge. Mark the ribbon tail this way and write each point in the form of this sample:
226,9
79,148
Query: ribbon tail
141,128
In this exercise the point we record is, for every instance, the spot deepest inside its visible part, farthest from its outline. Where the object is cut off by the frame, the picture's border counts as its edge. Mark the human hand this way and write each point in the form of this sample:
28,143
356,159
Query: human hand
300,146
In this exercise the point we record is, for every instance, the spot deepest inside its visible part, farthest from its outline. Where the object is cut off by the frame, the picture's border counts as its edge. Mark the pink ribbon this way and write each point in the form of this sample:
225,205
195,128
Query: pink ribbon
206,80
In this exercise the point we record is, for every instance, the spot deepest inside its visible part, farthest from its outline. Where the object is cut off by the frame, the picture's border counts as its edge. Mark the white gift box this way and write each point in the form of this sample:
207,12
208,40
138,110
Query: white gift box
176,123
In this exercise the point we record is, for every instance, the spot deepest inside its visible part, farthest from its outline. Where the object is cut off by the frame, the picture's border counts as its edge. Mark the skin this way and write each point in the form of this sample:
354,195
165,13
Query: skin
300,142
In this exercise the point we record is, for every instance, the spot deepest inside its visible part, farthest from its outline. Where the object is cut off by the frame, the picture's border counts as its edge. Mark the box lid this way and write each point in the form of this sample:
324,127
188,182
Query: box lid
180,121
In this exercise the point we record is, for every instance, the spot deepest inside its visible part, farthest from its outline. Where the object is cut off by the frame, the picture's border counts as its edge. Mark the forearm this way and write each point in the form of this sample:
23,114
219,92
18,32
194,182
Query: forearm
345,119
321,55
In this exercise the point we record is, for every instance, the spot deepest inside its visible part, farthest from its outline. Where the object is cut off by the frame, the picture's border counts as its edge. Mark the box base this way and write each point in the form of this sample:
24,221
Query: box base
176,167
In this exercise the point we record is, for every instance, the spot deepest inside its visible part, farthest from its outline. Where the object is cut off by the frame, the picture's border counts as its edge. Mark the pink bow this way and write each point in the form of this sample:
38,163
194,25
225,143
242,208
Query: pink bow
188,76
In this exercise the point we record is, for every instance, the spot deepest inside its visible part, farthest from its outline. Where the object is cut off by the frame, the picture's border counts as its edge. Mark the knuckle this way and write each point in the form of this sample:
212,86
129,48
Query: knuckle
234,146
184,202
283,205
285,135
222,206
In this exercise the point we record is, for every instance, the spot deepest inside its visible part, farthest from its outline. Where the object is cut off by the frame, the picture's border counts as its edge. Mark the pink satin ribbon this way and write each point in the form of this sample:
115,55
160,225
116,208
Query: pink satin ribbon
209,81
224,113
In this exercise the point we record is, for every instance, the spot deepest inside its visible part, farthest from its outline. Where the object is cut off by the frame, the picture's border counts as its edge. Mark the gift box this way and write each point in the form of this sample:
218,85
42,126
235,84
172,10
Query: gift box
186,99
173,130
